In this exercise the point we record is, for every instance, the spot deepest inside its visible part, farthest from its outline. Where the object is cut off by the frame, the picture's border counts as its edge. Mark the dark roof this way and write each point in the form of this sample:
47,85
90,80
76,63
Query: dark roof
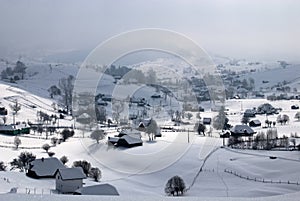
101,189
71,173
113,139
242,130
206,120
256,121
45,167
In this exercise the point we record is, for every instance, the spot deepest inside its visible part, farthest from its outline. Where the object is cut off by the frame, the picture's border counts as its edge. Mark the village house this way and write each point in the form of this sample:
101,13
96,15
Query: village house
68,180
241,130
44,168
131,132
254,123
125,141
14,129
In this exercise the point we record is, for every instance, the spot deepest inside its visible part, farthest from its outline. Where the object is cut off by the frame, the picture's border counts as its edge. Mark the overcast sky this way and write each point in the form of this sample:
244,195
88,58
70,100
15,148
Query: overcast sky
268,29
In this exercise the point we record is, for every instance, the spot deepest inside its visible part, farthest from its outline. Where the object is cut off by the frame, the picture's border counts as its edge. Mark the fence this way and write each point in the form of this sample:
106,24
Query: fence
34,191
262,180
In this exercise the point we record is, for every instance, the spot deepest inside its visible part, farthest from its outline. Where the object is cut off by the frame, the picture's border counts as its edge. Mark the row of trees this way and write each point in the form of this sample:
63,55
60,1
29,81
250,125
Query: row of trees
263,141
89,171
16,73
65,134
65,90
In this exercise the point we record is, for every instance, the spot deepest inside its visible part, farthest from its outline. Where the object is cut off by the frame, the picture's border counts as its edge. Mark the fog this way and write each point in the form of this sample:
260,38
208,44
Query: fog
251,29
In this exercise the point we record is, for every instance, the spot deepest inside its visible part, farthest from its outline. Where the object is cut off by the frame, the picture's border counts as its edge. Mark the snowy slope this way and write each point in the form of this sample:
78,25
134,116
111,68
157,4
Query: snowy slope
211,182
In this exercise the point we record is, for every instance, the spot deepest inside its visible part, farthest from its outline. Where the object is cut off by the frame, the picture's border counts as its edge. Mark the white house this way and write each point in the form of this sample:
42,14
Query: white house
68,180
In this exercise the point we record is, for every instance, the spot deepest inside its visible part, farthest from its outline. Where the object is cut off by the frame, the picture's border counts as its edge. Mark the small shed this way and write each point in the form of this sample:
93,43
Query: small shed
68,180
254,123
241,130
3,110
206,121
156,95
44,168
101,189
9,129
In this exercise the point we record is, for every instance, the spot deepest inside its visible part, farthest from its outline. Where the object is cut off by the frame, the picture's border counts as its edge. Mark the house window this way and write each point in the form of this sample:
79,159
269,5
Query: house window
58,177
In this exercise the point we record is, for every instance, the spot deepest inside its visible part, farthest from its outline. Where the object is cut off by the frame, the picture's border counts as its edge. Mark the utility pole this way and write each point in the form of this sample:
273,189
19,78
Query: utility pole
188,135
14,118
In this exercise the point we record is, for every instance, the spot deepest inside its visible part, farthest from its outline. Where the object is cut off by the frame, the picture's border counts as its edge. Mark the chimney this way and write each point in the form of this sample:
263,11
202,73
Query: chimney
43,159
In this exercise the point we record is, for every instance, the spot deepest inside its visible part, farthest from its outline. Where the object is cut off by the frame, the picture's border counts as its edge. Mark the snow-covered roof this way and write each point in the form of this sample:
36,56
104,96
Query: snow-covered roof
131,140
101,189
256,121
113,139
242,130
9,127
71,173
45,166
83,116
131,132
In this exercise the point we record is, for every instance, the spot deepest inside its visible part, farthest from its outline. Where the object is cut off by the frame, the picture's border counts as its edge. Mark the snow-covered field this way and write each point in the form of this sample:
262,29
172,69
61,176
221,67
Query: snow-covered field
173,154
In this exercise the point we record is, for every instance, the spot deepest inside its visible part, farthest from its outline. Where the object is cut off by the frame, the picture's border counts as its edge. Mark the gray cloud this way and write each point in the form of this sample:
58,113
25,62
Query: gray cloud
253,29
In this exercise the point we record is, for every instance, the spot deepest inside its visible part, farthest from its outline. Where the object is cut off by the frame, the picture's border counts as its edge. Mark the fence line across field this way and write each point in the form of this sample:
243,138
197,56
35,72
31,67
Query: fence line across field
261,179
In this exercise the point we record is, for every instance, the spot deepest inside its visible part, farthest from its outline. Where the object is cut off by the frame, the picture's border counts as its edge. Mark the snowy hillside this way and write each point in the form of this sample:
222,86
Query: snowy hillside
208,170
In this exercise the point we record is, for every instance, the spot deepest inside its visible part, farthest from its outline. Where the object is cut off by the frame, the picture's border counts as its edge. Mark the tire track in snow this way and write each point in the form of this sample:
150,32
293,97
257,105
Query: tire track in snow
222,179
204,161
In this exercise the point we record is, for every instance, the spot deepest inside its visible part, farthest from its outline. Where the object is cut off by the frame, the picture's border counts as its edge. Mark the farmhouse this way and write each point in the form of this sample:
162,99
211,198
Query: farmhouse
128,141
130,132
125,141
44,168
254,123
68,180
241,130
14,129
101,189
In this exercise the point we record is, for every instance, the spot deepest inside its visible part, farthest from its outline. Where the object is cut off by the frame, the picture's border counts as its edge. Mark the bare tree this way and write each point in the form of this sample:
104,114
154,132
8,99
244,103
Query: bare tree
2,166
297,116
22,161
189,115
245,120
16,107
117,109
46,147
66,86
95,173
200,128
86,166
97,135
17,142
152,129
64,159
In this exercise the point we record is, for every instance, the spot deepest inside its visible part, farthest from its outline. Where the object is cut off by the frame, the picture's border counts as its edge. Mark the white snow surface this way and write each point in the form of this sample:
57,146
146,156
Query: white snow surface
211,184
